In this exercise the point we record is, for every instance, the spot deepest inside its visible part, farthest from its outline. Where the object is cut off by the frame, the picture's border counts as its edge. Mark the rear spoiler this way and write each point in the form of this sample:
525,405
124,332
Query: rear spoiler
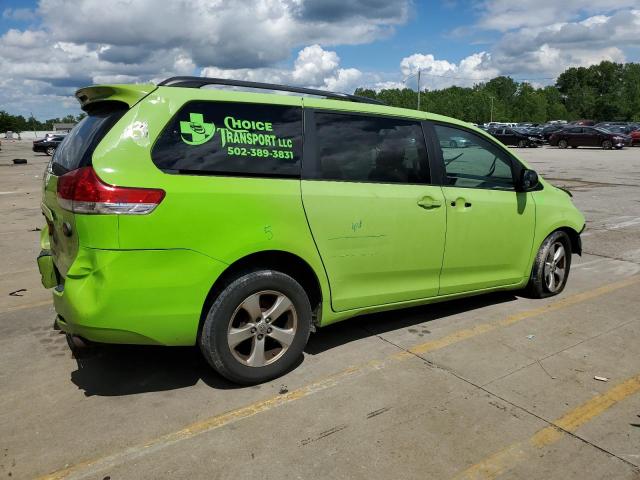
129,94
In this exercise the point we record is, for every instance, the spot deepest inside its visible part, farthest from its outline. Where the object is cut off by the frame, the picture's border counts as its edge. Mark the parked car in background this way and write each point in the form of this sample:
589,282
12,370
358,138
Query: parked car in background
621,129
516,136
548,130
535,132
455,142
609,124
580,136
635,137
48,144
588,123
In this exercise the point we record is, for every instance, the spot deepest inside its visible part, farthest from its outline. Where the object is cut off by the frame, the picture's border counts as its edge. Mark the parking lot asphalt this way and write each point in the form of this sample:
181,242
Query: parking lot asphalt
495,386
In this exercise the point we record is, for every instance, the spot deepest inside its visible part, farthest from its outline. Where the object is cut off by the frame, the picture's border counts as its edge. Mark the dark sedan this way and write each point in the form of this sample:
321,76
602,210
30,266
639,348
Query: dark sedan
516,136
551,129
580,136
48,144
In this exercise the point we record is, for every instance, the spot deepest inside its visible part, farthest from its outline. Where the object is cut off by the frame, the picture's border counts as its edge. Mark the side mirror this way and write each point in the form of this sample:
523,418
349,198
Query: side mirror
528,180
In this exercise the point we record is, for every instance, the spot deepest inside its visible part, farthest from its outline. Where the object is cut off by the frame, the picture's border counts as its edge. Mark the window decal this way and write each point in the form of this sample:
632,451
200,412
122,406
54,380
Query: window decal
209,137
199,130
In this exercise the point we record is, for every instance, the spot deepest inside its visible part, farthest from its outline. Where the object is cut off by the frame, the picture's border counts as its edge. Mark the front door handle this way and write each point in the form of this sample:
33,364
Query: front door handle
429,203
460,202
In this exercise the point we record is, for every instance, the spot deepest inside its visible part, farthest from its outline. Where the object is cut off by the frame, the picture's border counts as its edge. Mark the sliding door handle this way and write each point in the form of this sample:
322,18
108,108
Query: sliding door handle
429,203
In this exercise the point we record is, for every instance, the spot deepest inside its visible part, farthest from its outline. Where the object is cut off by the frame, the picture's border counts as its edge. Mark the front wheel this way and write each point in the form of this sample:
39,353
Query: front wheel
50,151
551,266
606,145
257,328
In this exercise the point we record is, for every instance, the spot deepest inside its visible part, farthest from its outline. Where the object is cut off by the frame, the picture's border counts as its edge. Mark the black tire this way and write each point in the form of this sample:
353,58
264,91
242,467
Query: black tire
522,143
538,286
563,143
213,338
50,151
607,145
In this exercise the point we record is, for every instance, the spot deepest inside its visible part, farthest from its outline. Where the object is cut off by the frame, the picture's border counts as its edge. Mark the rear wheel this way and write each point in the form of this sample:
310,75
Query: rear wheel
522,143
563,144
607,145
257,327
551,266
50,151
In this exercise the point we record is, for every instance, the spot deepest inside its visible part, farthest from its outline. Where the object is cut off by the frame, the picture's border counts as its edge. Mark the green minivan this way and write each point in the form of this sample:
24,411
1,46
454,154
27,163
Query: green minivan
180,214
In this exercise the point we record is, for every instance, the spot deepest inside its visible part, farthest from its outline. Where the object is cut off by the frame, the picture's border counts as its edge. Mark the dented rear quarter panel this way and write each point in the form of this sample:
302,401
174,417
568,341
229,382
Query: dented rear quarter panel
223,217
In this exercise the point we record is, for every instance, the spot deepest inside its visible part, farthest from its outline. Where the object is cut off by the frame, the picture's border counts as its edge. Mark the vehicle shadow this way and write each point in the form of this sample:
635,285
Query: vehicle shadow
119,370
380,323
116,370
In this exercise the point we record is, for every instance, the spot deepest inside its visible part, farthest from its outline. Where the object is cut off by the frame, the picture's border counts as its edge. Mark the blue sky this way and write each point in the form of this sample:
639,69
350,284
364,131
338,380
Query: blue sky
48,48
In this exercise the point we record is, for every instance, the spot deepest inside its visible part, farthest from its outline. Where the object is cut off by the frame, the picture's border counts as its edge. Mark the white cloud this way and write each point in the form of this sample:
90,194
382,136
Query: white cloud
548,50
314,67
505,15
71,44
442,73
314,64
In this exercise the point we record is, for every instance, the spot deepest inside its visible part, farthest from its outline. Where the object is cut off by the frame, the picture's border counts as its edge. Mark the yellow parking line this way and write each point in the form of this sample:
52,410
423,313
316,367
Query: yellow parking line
250,410
482,328
496,464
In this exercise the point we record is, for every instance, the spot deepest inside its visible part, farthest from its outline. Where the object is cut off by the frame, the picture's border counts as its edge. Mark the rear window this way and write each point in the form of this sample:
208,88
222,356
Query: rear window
228,138
77,147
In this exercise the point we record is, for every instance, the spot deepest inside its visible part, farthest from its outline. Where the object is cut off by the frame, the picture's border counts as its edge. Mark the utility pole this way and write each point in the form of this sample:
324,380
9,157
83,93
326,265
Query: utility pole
413,75
418,89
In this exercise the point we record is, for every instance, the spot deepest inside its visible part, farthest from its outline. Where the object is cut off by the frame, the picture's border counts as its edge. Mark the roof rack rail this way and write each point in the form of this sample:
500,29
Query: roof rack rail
197,82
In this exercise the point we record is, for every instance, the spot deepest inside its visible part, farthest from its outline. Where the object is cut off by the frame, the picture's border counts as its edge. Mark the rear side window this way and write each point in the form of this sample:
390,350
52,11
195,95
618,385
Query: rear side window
363,148
77,147
227,138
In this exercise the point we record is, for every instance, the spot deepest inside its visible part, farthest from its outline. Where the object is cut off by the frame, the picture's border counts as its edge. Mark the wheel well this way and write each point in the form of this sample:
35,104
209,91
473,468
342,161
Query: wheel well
574,237
284,262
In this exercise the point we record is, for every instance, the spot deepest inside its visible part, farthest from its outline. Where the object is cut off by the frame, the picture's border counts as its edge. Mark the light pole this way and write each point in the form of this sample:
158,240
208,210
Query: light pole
491,114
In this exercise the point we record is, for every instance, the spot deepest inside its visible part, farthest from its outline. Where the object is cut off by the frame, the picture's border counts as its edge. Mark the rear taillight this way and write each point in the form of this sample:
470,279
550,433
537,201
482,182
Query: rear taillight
81,191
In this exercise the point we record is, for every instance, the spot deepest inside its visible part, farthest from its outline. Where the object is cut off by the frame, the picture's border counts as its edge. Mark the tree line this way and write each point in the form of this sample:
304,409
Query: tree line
19,124
607,91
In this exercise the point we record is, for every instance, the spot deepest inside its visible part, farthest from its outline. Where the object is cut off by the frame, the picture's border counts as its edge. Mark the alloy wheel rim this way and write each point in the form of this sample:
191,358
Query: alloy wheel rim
262,328
555,267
